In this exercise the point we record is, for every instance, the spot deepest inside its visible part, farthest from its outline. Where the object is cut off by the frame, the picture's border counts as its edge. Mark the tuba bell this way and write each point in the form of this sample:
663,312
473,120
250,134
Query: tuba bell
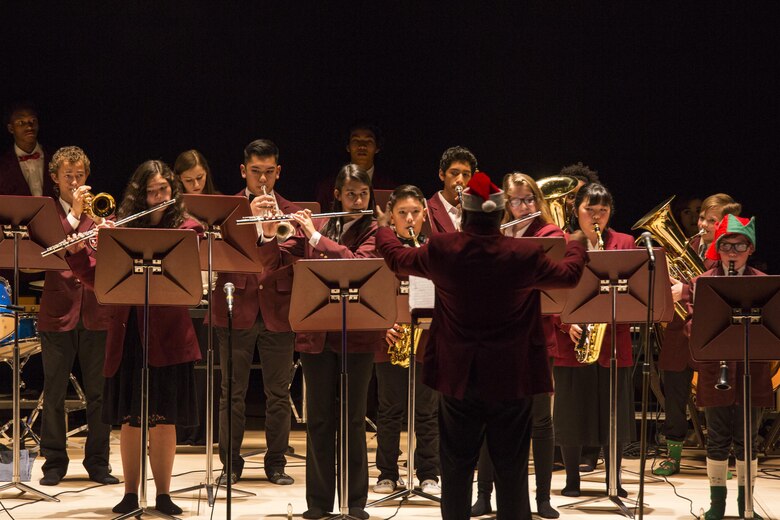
556,191
684,263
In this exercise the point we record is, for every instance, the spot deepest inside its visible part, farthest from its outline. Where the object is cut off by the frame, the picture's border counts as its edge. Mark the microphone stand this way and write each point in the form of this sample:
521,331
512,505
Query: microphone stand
229,463
646,376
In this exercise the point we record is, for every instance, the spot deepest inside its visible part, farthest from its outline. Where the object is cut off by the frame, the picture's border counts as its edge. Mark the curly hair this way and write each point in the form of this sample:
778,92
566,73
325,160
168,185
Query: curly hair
581,172
349,172
134,200
71,154
189,160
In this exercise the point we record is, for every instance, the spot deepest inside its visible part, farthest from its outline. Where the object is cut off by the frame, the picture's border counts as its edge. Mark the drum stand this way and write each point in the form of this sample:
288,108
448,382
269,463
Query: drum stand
17,233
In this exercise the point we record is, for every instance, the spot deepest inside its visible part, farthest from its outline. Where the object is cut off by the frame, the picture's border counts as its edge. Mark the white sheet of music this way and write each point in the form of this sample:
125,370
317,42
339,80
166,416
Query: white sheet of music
421,293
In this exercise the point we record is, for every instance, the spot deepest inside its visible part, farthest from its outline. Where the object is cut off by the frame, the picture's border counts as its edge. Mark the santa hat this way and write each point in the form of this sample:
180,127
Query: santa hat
482,195
732,225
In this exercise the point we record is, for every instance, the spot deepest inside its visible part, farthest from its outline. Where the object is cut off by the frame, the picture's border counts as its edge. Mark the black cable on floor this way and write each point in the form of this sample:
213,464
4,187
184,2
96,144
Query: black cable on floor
6,510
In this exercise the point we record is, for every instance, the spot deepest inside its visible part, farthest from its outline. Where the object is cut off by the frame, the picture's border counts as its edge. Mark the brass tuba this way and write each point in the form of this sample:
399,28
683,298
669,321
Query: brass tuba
556,191
588,348
684,263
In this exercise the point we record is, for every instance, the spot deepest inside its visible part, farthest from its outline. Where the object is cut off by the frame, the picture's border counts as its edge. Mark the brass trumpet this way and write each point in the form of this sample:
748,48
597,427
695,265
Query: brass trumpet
101,205
284,230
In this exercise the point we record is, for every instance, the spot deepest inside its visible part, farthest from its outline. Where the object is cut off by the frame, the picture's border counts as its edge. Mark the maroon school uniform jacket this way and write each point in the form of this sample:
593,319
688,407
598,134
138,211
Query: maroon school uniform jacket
486,328
172,338
65,298
276,256
566,357
439,218
267,292
709,372
12,180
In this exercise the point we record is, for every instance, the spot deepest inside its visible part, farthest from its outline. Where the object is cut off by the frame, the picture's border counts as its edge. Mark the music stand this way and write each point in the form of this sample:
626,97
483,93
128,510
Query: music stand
614,289
323,293
29,225
553,300
230,248
147,267
731,311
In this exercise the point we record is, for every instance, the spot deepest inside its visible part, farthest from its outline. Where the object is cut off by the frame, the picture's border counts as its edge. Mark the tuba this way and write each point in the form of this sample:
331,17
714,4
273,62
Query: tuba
588,348
684,263
556,190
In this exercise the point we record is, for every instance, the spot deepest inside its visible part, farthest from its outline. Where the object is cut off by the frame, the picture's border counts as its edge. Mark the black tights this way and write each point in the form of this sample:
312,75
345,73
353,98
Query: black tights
571,461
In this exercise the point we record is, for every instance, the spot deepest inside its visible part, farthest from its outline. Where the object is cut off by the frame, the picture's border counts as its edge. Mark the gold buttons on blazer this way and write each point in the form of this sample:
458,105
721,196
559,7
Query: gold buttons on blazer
260,287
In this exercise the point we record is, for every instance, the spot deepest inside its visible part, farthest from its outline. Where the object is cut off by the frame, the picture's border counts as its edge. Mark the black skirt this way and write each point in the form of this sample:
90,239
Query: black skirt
172,398
581,410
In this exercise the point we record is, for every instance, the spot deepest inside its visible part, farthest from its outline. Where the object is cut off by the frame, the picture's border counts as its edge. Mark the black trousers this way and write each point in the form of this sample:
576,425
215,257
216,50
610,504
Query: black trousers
677,388
725,428
59,350
393,390
543,445
276,359
463,425
322,374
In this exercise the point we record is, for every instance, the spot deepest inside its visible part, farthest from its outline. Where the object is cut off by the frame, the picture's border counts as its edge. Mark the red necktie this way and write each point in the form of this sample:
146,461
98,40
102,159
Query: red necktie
33,156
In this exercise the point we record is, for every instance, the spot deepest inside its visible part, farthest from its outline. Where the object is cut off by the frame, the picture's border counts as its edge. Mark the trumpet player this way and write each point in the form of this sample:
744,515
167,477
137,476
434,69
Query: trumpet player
260,322
456,167
581,408
523,197
734,240
407,214
72,325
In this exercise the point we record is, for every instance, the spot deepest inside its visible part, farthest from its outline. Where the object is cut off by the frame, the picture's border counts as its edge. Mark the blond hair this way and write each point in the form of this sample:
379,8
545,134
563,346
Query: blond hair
722,203
521,179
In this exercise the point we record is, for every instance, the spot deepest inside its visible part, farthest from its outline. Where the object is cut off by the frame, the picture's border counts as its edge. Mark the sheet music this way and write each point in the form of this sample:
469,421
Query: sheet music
421,293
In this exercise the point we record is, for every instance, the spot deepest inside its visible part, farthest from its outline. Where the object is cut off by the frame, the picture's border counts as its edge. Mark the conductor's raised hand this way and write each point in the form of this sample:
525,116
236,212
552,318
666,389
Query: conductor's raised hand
382,217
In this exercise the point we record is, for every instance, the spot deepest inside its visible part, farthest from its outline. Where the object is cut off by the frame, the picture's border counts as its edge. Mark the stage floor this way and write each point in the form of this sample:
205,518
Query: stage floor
82,499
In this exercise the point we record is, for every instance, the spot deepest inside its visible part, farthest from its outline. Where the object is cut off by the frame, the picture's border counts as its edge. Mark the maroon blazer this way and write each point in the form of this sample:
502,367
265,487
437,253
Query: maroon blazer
12,180
267,292
486,327
65,299
172,338
565,356
276,256
709,372
439,218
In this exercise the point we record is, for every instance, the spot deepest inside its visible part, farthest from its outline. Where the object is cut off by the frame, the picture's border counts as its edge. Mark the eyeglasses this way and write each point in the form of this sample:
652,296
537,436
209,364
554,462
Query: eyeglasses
739,247
515,202
21,123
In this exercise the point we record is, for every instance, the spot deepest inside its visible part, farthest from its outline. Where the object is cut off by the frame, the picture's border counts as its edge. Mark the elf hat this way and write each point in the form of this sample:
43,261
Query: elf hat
732,225
482,195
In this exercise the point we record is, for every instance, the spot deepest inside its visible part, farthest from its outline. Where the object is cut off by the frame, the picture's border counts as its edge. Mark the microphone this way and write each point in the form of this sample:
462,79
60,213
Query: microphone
229,289
647,240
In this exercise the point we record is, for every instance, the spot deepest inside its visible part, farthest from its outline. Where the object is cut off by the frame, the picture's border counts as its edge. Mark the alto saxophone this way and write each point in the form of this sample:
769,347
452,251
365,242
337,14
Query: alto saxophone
588,347
400,351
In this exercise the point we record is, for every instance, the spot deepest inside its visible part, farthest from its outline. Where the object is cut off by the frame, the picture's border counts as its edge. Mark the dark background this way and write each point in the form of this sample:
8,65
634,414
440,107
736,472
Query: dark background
660,98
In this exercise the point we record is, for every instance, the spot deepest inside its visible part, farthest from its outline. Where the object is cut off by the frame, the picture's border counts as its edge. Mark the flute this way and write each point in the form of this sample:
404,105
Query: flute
520,220
289,216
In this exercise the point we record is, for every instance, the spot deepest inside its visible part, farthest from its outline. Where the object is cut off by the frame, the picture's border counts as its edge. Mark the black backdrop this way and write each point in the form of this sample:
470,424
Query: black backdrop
659,98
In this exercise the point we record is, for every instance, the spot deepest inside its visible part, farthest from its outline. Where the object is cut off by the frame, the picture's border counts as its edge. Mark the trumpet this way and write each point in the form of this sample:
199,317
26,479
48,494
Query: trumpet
284,230
101,205
520,220
92,233
289,216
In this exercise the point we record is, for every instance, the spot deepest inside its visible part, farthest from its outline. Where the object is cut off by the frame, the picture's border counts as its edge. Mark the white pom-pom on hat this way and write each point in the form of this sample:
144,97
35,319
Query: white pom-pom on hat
488,206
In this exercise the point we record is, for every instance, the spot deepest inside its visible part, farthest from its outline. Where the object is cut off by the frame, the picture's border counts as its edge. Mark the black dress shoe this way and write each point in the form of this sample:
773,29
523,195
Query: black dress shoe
358,512
222,480
51,478
280,478
314,513
103,477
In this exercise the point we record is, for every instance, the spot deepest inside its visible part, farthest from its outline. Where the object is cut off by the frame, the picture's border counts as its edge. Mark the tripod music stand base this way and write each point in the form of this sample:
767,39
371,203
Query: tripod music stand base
24,488
616,500
138,513
403,494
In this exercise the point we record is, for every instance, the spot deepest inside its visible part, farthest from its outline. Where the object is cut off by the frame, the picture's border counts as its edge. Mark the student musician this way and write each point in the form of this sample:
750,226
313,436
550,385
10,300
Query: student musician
734,240
23,166
193,171
337,237
581,409
456,167
407,213
523,197
173,349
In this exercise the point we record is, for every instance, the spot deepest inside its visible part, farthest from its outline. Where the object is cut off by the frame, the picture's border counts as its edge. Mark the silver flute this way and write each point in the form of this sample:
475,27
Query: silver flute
289,216
520,220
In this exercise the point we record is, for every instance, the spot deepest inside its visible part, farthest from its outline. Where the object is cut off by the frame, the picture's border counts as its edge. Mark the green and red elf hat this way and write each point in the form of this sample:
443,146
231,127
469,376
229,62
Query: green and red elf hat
732,225
482,195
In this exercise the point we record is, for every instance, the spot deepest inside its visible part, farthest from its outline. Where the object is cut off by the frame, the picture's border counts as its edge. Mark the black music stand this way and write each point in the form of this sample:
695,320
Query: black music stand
614,289
738,319
342,295
147,267
232,249
30,224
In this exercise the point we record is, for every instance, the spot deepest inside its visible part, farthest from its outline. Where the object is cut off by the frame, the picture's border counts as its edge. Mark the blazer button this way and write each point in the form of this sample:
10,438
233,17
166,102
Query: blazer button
260,287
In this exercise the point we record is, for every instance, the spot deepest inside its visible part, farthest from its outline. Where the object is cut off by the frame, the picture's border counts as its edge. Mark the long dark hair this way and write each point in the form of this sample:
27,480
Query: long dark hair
134,200
189,160
333,227
594,193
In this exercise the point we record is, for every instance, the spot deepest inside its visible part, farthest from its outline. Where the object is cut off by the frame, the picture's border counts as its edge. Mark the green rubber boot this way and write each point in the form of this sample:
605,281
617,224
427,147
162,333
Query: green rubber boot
671,465
717,503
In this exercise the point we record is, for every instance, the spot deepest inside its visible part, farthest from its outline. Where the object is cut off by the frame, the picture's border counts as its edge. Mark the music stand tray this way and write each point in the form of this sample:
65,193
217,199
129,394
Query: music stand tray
147,267
342,295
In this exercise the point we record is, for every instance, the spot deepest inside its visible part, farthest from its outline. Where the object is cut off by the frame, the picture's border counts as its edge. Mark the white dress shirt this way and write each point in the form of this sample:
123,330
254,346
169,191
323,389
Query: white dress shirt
32,169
